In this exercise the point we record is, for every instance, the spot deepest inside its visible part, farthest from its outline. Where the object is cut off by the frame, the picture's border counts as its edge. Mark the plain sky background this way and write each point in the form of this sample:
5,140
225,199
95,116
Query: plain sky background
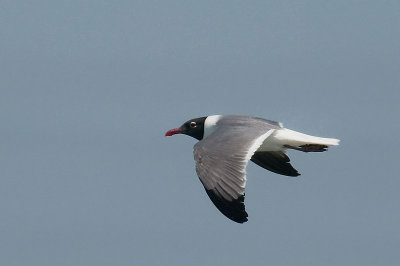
89,88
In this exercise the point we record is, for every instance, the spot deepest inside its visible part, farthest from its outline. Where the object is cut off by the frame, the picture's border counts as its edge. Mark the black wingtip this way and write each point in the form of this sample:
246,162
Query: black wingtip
234,210
309,147
277,162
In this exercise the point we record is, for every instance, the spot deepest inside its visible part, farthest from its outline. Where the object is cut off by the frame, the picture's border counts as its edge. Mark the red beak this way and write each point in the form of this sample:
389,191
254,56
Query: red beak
173,132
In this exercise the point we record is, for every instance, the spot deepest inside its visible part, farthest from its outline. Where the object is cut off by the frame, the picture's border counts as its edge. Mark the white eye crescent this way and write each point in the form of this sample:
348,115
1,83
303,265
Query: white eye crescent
192,124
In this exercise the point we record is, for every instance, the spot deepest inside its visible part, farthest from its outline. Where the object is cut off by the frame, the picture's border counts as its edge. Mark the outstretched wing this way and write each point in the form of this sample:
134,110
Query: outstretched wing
221,161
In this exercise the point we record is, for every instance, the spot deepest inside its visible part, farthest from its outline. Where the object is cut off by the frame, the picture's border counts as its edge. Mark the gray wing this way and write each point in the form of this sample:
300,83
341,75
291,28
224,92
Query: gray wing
221,161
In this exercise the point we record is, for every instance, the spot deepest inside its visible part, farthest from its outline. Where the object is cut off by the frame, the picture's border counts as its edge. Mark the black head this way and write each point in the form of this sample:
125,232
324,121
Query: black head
193,128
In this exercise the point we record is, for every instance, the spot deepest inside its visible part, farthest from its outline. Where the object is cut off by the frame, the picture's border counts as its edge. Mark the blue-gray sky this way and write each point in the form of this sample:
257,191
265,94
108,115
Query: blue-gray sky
88,89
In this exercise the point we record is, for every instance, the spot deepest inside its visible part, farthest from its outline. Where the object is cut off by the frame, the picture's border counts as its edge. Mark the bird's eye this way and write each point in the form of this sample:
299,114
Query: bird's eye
192,124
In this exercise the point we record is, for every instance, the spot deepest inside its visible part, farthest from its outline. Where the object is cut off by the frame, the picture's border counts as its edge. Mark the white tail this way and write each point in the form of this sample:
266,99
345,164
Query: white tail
284,138
293,138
